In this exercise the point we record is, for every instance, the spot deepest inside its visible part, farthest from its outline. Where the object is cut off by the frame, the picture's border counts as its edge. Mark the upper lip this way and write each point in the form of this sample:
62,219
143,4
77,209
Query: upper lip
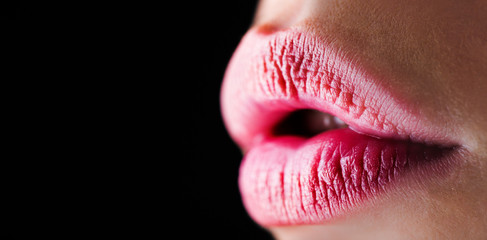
273,74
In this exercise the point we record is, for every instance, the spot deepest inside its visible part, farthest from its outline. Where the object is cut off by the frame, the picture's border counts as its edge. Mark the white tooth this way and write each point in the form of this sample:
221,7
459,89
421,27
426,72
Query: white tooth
328,121
339,122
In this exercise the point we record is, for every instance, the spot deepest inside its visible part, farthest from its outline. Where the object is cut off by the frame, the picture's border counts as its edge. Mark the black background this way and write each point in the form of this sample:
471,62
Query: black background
143,84
215,162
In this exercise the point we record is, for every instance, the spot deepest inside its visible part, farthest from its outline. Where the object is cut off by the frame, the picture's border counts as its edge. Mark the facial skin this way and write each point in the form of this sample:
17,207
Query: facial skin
435,52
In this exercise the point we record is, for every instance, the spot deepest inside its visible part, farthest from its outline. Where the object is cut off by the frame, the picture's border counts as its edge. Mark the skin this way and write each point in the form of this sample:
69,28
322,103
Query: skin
435,52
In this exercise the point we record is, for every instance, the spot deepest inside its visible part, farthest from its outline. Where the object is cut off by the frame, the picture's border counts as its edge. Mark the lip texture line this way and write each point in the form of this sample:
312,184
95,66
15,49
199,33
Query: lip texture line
294,180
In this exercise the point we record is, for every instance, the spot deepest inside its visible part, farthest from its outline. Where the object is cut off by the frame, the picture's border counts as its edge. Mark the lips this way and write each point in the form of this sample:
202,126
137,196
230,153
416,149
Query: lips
289,178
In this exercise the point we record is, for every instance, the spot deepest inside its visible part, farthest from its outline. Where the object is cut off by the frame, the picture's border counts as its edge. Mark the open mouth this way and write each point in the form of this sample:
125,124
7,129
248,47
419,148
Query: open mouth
321,133
307,123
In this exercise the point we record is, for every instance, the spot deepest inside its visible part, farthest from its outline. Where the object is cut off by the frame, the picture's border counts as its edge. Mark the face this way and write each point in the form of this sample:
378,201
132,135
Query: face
363,119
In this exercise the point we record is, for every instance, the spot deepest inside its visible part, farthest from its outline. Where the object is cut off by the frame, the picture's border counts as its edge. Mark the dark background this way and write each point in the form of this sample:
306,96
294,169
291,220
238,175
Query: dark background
214,165
142,85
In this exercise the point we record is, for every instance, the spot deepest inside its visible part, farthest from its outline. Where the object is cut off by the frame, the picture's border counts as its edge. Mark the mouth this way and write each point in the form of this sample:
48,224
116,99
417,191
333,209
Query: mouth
322,132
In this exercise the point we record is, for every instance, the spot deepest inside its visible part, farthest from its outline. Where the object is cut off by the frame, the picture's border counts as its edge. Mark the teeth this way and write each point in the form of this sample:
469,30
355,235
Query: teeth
339,122
332,122
328,121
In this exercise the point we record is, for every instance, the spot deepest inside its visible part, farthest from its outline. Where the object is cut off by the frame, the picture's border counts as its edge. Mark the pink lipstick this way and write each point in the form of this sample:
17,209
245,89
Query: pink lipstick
296,171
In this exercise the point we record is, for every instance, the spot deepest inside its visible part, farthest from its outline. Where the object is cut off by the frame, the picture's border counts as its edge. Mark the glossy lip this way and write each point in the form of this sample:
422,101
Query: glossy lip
273,74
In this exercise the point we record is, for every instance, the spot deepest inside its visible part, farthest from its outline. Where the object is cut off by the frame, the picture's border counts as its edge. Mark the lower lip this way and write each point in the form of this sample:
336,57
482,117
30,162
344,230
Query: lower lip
290,180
